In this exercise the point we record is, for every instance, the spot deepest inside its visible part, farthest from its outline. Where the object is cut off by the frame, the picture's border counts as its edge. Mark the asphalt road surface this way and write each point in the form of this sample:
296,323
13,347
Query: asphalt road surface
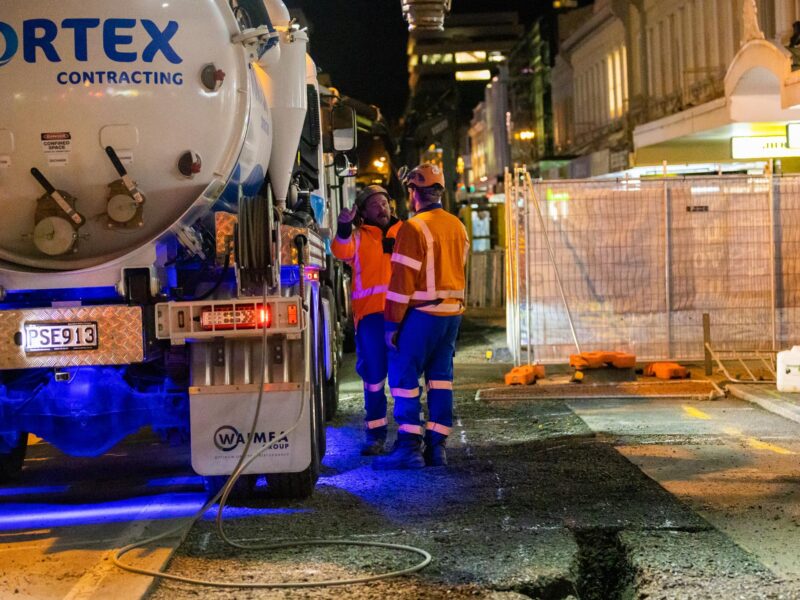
542,499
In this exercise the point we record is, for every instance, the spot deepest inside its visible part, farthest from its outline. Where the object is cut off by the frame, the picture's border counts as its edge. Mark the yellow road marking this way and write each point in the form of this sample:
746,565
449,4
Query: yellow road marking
756,443
759,445
695,412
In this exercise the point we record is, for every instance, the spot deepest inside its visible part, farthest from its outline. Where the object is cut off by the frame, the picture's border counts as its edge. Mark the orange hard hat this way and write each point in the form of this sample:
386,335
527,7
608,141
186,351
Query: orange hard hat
425,175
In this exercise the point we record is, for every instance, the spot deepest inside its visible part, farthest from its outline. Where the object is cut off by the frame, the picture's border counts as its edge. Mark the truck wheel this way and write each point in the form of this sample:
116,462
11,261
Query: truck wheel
296,486
331,385
332,394
301,485
12,454
319,380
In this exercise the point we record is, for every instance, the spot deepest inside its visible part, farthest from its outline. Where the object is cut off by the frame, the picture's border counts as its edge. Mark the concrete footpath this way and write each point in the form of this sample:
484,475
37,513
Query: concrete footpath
769,398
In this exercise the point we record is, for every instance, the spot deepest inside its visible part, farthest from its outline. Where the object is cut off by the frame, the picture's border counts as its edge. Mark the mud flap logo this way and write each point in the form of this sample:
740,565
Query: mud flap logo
228,438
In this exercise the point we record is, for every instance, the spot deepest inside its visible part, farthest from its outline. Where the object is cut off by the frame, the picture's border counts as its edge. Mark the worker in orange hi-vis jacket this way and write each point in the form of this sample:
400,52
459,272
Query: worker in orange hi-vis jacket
365,239
423,313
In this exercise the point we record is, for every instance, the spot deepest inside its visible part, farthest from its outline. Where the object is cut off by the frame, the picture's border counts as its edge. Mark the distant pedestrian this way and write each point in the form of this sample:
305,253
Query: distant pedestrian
365,240
423,313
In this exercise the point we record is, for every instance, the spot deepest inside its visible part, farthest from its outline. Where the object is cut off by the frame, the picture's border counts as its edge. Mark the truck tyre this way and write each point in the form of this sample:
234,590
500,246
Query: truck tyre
12,455
301,485
296,486
331,386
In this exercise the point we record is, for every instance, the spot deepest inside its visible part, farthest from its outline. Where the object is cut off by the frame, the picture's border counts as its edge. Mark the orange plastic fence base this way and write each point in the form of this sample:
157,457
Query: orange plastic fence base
599,359
666,370
525,375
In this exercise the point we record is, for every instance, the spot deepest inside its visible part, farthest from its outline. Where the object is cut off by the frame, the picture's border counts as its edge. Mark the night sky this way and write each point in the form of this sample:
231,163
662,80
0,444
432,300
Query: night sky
362,44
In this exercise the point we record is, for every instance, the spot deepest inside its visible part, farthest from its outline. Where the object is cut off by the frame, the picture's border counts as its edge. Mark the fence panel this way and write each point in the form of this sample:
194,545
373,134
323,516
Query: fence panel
640,261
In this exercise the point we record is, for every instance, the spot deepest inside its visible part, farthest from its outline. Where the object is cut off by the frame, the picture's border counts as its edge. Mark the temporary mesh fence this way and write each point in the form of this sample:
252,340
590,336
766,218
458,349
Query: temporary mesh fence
641,261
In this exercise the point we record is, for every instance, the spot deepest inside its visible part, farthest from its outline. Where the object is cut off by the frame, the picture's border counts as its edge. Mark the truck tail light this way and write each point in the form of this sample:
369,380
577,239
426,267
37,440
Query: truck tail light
239,317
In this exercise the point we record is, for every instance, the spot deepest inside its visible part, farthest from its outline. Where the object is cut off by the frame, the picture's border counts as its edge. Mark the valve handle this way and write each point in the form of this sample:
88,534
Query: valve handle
116,161
48,187
57,197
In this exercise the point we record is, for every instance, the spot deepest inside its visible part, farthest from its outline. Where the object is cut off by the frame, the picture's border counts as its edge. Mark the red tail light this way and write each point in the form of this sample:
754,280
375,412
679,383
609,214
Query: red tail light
242,317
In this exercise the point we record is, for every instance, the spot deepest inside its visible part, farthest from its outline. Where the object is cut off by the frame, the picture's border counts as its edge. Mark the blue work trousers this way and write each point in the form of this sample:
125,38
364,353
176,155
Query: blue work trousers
426,345
371,366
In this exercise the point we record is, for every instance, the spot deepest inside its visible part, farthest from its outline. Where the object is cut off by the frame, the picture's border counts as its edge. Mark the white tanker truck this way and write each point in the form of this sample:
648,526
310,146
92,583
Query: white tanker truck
165,201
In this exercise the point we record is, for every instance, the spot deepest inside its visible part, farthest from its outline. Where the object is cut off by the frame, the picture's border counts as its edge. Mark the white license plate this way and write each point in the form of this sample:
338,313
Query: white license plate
54,337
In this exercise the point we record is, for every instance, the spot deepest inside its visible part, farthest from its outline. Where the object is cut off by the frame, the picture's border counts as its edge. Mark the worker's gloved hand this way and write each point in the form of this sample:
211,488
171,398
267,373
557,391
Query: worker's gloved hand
391,337
348,215
388,245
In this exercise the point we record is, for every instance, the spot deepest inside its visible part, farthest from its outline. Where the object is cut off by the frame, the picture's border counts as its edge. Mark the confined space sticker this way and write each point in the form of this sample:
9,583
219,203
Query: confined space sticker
57,146
56,143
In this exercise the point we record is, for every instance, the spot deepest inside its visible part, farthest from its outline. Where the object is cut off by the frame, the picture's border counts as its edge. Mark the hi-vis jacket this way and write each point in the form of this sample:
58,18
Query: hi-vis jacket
363,251
428,267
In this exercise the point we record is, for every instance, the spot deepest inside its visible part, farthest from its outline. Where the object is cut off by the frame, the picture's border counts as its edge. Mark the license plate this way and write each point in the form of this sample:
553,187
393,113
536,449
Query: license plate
54,337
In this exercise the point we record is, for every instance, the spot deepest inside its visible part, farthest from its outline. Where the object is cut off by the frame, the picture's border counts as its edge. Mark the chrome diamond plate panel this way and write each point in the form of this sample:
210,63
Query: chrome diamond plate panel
120,342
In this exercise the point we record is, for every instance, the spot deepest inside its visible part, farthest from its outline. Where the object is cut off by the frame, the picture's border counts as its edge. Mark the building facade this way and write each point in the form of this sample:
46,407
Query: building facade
642,82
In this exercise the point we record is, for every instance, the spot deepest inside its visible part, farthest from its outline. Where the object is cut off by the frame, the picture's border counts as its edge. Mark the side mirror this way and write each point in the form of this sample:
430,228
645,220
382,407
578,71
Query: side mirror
343,125
343,166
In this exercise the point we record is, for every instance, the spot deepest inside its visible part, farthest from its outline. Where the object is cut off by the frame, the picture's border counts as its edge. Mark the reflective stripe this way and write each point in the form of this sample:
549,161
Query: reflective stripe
407,428
429,262
374,387
403,393
439,384
377,423
443,294
399,298
357,287
407,261
375,289
443,429
443,308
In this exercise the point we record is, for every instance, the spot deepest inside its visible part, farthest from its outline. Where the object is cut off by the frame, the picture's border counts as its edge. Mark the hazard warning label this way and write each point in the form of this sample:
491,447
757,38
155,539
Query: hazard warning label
56,142
57,146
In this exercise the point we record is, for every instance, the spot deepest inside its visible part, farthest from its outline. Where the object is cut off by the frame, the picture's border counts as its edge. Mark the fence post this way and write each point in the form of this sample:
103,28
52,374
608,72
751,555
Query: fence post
526,257
667,262
773,282
706,342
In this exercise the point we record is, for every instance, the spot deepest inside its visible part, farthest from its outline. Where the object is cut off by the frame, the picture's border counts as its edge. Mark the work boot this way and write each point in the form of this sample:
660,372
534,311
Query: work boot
406,454
435,454
375,443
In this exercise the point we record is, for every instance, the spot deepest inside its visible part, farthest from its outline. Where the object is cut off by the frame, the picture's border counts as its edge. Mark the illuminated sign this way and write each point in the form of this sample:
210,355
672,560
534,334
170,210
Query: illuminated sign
773,146
482,75
793,135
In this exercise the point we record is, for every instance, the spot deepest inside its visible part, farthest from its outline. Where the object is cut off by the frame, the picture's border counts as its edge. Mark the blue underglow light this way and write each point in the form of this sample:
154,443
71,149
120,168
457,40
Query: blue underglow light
45,297
33,491
171,481
165,506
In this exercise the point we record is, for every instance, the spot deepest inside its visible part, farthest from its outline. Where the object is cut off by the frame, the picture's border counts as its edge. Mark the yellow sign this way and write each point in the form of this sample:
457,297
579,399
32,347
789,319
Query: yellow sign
772,146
